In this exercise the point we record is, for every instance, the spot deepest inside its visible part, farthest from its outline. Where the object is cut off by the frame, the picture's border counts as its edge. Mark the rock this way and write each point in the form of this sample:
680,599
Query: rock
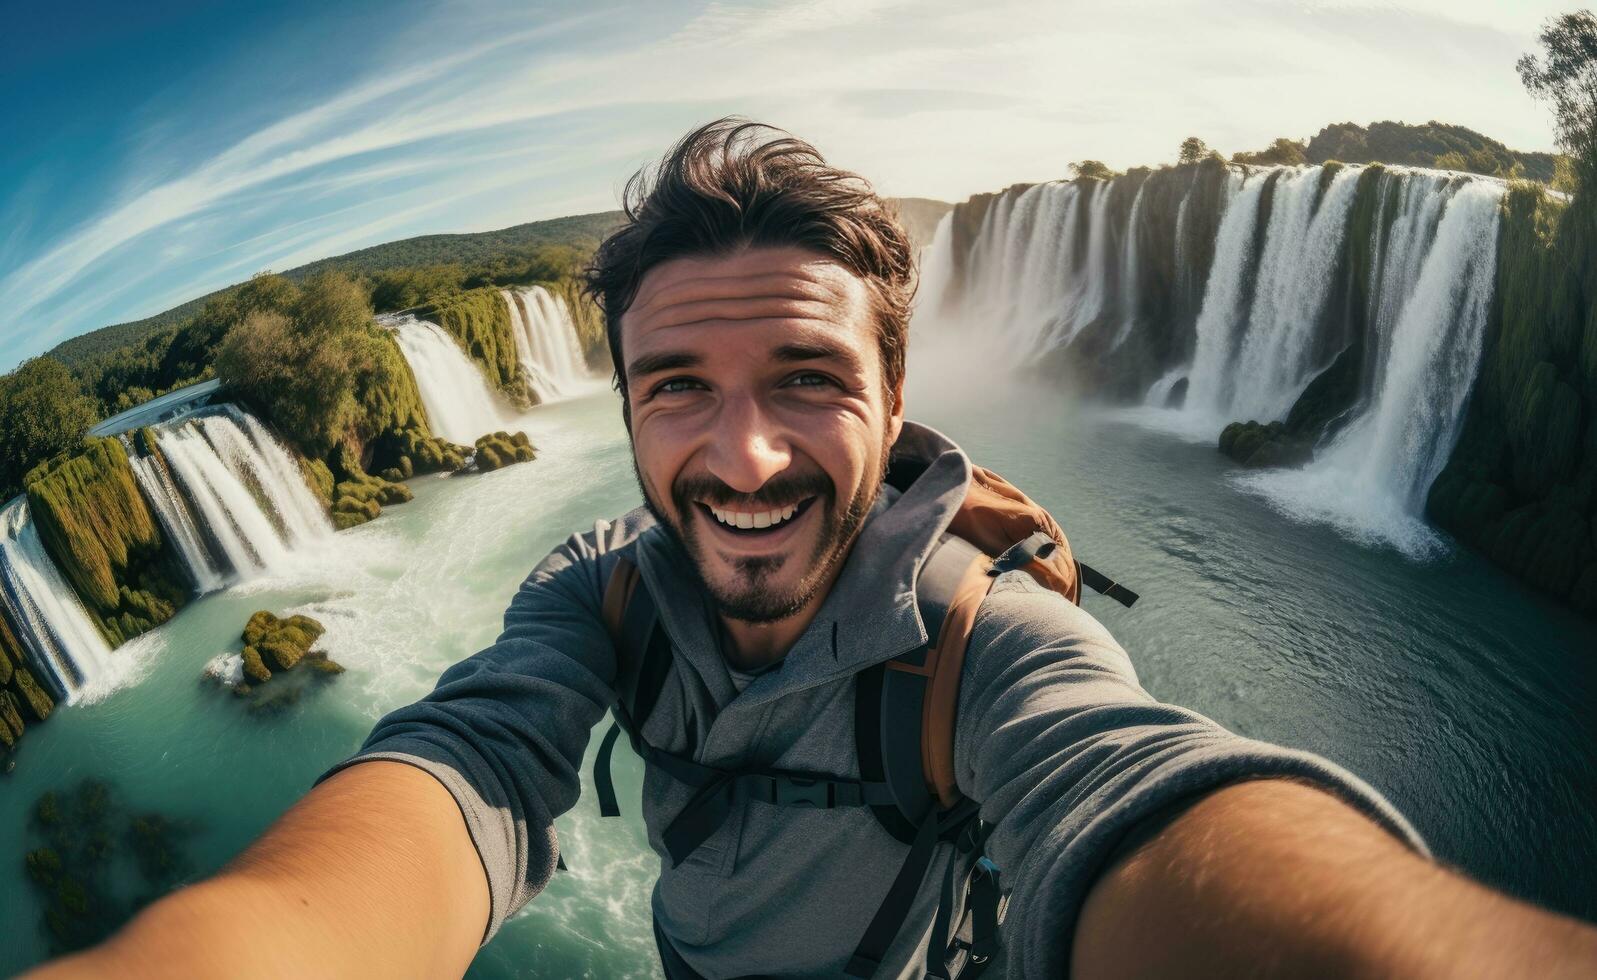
34,698
272,641
254,667
500,449
10,719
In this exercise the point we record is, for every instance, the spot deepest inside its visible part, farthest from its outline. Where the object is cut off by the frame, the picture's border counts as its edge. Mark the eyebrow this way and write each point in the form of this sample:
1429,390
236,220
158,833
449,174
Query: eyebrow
815,352
647,364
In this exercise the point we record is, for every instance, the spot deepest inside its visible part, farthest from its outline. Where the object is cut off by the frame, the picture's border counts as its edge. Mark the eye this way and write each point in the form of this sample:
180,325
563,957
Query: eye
810,379
672,386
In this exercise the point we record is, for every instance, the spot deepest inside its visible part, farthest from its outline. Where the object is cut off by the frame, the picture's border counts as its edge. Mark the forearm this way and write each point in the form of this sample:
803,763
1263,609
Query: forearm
372,874
1272,878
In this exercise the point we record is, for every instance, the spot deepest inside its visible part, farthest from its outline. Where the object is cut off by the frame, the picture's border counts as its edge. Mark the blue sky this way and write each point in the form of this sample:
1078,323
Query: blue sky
155,151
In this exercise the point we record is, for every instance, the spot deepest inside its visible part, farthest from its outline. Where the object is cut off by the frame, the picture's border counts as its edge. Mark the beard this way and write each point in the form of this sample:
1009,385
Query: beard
753,596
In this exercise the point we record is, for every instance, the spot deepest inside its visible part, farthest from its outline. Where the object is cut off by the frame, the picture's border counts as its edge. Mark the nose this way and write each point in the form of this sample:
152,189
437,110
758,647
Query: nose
748,447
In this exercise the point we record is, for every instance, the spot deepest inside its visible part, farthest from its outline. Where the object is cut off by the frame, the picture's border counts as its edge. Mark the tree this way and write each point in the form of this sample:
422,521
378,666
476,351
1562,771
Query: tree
1566,78
1091,170
301,368
1282,152
42,412
1452,160
1193,150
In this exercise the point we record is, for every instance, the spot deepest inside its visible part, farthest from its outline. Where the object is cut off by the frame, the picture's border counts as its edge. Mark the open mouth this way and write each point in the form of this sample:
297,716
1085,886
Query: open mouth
757,523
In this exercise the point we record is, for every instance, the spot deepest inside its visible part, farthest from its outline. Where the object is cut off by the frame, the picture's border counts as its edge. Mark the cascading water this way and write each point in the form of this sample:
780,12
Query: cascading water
1373,477
1271,309
1302,245
243,493
1225,300
177,521
460,407
546,343
49,619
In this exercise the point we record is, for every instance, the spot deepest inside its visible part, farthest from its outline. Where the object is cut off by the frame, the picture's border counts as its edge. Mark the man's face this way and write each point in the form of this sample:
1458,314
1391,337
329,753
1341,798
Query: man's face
760,420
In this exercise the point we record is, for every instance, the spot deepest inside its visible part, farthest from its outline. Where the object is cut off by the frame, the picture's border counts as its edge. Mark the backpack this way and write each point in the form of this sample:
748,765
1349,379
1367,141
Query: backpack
904,723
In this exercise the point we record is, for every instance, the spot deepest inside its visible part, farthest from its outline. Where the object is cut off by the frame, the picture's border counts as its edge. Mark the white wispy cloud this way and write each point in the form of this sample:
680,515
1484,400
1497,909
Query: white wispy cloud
936,97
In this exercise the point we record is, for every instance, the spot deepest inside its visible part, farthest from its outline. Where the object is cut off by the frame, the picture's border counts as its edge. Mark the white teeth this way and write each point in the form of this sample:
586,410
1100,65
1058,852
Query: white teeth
769,518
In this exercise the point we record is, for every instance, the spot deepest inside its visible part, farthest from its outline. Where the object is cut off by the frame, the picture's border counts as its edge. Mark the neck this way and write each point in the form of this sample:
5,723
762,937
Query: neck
756,645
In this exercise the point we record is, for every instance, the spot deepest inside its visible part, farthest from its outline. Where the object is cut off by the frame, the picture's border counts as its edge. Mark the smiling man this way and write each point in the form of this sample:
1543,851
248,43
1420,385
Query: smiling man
739,626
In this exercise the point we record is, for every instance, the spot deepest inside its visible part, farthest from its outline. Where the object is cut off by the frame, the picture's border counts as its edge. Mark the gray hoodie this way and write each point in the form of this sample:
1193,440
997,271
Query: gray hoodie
1065,751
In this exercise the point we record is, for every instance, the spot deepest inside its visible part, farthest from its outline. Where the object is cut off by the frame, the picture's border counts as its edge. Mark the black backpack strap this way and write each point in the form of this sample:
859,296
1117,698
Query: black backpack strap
893,718
1104,585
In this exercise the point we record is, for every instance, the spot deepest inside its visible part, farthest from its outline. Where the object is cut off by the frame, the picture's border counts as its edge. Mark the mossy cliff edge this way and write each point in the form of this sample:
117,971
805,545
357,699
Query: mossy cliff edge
22,698
1521,486
97,528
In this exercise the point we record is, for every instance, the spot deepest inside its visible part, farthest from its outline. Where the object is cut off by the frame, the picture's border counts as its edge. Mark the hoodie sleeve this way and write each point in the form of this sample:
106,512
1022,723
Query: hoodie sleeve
505,730
1068,755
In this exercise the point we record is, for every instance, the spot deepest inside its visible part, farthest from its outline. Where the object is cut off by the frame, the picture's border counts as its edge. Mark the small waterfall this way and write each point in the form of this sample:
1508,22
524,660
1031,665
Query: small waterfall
460,407
1301,250
49,619
172,510
546,343
1225,299
248,496
1129,298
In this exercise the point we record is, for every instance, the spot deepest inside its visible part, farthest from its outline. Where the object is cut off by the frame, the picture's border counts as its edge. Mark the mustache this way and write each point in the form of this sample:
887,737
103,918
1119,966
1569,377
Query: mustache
779,491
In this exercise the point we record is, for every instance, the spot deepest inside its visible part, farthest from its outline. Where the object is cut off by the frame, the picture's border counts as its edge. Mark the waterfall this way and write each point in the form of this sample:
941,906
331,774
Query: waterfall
546,343
1373,477
1129,298
460,407
177,521
1301,249
242,492
1393,268
49,619
1225,299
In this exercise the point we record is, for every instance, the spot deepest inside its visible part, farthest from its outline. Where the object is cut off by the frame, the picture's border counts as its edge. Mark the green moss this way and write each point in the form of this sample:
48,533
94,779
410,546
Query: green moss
254,667
480,321
102,536
10,719
283,641
34,698
500,449
319,478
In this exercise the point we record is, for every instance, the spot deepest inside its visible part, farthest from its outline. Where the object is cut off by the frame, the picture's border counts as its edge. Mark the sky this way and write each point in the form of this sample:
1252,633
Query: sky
152,152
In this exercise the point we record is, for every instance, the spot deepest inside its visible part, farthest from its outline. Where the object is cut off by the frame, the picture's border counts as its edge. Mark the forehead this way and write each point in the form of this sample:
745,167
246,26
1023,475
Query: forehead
754,295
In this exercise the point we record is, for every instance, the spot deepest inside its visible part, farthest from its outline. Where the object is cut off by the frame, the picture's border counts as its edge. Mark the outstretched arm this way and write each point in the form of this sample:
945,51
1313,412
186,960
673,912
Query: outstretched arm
1276,878
371,874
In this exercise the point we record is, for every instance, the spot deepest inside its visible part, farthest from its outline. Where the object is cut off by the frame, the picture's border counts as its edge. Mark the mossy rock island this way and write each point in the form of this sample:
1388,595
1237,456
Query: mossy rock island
497,450
273,646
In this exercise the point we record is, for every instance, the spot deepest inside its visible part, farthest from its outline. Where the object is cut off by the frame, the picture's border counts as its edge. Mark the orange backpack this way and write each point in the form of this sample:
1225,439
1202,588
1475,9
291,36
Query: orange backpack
905,713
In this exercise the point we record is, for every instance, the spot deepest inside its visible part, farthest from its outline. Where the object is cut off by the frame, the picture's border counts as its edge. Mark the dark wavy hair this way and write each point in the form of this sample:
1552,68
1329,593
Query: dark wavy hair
735,183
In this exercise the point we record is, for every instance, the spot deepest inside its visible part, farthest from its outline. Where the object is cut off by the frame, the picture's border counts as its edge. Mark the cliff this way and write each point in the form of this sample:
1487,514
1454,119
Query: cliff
101,534
1522,483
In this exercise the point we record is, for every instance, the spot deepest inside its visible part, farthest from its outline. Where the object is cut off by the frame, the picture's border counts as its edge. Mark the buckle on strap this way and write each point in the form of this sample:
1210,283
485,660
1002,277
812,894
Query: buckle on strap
1023,553
798,791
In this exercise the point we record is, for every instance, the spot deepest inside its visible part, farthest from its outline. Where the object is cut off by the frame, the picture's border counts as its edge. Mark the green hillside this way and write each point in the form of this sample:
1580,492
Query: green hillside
481,248
1431,144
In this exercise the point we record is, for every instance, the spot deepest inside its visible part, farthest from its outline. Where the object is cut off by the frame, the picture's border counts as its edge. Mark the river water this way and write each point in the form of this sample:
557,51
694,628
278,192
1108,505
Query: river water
1463,696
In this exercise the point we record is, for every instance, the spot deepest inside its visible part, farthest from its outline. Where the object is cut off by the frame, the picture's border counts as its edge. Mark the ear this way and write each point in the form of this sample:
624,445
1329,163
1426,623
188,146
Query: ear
895,415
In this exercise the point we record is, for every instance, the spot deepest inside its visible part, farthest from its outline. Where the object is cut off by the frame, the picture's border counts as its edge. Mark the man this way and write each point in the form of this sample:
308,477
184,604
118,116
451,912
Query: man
757,303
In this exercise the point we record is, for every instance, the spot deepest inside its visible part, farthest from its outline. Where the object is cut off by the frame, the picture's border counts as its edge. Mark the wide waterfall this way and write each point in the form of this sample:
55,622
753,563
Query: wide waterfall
1223,293
49,619
546,343
460,407
230,496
